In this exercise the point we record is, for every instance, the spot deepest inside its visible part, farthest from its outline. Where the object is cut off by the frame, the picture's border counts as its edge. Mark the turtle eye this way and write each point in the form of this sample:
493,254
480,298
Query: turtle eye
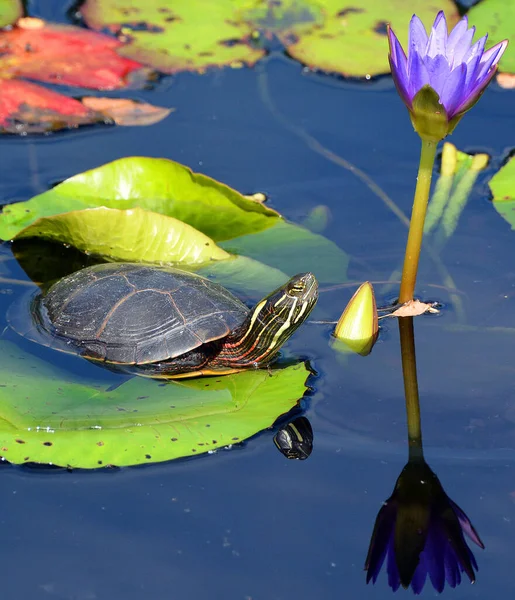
296,288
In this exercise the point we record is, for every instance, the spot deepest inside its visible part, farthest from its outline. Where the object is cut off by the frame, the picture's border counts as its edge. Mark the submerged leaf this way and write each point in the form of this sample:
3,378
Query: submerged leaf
128,235
502,186
50,416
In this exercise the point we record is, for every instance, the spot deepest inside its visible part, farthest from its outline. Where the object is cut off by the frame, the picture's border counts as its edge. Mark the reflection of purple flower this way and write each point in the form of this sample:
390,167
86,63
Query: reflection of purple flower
419,531
457,70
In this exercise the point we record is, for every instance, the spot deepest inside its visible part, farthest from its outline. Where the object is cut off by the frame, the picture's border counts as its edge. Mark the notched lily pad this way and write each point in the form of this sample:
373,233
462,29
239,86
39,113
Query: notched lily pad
185,35
128,235
48,417
336,36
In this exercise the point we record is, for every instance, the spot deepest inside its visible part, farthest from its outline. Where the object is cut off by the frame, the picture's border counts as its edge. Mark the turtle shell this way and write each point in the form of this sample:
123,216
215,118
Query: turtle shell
134,314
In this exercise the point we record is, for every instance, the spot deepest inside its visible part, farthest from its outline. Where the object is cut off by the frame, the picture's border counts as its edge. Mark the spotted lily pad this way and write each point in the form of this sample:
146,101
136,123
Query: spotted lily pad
10,11
49,416
186,35
497,17
502,186
333,35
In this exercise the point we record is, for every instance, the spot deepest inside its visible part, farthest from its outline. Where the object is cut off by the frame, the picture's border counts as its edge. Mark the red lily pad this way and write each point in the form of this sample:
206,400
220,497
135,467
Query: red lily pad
64,54
29,108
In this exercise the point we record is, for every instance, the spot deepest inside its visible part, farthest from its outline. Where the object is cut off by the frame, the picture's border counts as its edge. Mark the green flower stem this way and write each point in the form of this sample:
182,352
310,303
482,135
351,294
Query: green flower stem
418,215
409,373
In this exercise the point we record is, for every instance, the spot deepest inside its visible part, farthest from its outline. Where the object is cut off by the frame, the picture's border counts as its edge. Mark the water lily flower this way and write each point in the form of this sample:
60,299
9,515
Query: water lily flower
443,75
420,531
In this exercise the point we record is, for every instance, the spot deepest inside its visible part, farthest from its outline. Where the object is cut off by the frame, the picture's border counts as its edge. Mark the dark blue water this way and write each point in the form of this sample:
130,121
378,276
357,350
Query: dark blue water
246,524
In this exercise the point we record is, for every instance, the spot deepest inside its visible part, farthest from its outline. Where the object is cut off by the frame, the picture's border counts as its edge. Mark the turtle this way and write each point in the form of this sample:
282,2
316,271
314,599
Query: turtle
164,322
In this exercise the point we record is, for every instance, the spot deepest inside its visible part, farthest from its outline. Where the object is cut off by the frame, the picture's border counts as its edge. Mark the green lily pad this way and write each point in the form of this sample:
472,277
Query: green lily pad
10,12
294,249
128,235
155,184
47,416
331,35
184,36
502,185
238,223
497,18
349,38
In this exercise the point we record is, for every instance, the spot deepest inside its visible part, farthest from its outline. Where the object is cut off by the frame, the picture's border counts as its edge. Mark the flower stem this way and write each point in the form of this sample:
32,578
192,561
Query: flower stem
409,372
418,215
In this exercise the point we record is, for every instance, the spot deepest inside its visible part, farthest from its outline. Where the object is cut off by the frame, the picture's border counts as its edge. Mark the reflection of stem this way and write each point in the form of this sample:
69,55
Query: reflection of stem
418,215
409,372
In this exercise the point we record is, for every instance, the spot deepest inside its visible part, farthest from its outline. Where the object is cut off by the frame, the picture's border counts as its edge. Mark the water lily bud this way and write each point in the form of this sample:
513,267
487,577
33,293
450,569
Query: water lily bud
358,325
443,75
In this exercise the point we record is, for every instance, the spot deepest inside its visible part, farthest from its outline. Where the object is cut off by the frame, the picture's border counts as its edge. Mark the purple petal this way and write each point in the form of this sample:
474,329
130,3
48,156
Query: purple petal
472,59
452,93
398,66
439,72
466,525
417,72
493,56
438,38
419,576
474,92
456,35
461,47
417,39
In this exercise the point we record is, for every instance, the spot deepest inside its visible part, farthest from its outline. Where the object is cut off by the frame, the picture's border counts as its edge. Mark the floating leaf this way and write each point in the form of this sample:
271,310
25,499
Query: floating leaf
127,112
156,184
239,224
294,249
497,17
502,185
350,38
49,416
128,235
10,12
196,34
29,108
66,55
187,35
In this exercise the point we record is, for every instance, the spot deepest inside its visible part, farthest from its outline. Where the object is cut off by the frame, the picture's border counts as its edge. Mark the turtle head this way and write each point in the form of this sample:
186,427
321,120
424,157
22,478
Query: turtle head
271,322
